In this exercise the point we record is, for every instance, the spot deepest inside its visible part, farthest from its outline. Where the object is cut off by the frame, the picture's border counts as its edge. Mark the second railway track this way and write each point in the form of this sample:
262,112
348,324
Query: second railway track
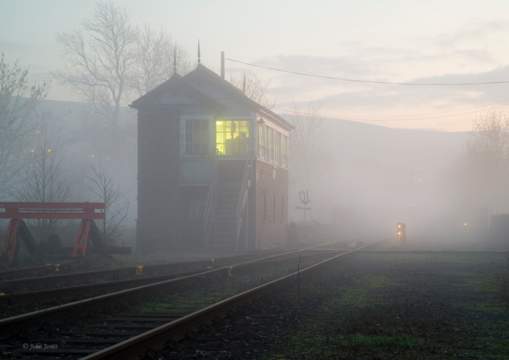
84,327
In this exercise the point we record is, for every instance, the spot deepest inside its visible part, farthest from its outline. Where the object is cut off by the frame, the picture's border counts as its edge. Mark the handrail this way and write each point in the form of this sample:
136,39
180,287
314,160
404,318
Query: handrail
210,198
243,196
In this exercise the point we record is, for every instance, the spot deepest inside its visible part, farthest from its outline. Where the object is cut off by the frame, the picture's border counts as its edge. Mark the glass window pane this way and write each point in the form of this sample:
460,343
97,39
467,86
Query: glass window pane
232,137
197,136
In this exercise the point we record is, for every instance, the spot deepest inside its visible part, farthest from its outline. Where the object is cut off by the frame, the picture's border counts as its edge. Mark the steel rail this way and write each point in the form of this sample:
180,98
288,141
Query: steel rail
31,321
125,271
156,338
7,285
90,290
53,268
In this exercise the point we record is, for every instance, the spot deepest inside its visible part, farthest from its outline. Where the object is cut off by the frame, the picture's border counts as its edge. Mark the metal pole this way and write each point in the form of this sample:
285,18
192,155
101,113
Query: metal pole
222,65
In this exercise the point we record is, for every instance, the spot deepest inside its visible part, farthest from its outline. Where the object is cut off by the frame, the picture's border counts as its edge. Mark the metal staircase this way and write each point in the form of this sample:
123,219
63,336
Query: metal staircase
227,204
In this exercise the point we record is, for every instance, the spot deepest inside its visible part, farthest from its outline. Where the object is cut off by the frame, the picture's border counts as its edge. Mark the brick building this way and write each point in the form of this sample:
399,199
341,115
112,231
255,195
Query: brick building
212,166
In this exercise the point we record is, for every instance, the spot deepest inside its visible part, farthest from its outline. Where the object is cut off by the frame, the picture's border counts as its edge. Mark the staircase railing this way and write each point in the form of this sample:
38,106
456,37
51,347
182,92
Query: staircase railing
243,195
210,199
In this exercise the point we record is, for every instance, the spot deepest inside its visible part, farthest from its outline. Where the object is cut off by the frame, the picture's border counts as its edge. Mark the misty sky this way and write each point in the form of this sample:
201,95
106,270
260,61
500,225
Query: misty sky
425,41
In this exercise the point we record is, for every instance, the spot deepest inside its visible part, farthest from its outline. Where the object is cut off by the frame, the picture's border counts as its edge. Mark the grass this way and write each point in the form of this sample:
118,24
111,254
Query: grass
406,306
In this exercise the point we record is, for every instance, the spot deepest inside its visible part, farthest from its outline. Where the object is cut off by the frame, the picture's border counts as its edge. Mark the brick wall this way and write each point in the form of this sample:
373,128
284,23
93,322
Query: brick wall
158,177
192,228
270,232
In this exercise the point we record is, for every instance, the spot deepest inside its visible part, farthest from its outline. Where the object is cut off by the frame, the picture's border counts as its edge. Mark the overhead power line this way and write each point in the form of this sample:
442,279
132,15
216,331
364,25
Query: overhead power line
353,118
445,111
367,81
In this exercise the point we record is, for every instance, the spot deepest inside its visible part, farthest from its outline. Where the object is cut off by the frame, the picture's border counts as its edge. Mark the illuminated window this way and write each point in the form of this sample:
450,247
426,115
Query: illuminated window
232,137
197,136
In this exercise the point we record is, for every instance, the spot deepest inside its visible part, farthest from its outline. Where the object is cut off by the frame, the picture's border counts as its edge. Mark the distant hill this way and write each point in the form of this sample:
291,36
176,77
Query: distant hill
421,150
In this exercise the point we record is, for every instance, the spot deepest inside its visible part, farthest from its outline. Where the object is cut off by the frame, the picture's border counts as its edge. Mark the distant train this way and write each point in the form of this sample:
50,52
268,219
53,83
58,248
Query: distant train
401,232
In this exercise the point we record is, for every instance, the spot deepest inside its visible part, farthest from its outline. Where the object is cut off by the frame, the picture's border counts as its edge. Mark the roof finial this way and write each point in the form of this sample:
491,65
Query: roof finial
175,60
199,55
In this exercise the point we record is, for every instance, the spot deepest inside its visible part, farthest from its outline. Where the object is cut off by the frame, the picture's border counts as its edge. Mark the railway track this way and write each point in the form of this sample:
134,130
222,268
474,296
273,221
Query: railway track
58,289
54,275
53,297
43,270
147,314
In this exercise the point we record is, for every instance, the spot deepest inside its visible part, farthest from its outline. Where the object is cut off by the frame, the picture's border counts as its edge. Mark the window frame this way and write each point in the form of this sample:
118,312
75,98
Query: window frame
183,142
250,141
274,209
262,149
282,209
270,143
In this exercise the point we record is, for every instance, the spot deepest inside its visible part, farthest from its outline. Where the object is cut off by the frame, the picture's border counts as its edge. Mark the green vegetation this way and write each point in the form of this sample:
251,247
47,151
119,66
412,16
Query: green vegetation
405,306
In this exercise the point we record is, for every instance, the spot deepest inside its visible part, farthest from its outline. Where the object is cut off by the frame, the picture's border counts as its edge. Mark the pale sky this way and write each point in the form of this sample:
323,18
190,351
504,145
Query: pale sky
391,40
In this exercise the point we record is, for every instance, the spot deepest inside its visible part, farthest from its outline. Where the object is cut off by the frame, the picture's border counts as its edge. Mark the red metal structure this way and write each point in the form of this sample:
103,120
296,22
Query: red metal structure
50,210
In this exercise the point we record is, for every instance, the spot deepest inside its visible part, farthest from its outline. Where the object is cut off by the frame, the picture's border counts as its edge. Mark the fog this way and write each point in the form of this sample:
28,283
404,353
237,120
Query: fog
381,176
372,176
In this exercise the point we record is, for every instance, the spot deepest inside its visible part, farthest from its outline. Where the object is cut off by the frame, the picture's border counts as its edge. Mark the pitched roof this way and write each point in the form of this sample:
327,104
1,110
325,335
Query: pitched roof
175,82
201,73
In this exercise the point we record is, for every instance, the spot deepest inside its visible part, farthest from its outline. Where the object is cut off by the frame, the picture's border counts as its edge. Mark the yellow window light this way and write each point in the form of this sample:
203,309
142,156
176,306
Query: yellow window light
49,150
465,224
92,155
399,226
219,122
32,150
37,132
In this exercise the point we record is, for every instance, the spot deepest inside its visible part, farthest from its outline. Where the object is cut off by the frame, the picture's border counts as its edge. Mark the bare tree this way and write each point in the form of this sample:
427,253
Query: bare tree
100,61
109,62
103,187
254,87
18,119
481,173
310,155
45,178
156,53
